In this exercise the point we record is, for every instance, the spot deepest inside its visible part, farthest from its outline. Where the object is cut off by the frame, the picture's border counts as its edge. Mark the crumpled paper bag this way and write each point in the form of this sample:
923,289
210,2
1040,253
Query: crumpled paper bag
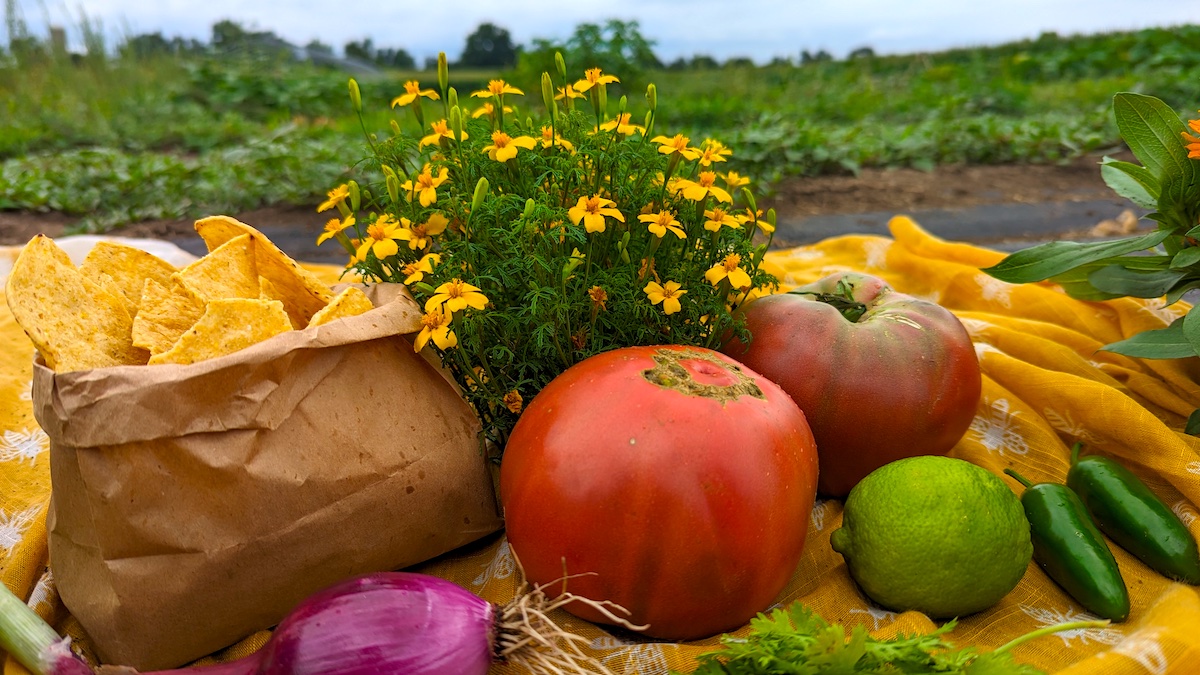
195,504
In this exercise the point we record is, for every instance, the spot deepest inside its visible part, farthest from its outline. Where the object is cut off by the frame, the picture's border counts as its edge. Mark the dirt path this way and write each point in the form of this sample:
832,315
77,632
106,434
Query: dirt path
795,200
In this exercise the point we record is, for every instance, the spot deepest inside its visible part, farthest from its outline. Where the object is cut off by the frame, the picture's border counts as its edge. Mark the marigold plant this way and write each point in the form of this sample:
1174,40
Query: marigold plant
533,244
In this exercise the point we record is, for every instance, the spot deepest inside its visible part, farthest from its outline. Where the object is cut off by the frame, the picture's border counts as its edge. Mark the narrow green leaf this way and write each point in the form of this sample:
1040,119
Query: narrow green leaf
1132,182
1046,260
1075,282
1135,283
1164,343
1191,329
1153,131
1193,423
1186,258
1193,233
1176,293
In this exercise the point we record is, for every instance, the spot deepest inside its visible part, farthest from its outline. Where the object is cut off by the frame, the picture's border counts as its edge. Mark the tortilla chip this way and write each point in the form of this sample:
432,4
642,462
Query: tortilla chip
228,272
268,291
129,267
302,292
350,302
165,313
74,322
228,325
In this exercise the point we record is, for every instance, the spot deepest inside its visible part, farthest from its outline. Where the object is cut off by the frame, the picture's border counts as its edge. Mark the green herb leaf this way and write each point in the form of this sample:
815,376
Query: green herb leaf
1119,280
1193,423
1153,131
1191,329
1164,343
1047,260
1186,258
1132,182
1174,295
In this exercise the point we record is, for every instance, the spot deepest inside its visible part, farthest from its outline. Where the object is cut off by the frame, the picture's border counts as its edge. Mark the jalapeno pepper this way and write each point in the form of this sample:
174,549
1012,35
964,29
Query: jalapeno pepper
1130,514
1067,545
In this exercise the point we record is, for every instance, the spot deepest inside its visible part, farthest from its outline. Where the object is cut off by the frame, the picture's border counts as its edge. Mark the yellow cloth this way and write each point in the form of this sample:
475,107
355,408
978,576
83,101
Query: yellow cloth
1045,385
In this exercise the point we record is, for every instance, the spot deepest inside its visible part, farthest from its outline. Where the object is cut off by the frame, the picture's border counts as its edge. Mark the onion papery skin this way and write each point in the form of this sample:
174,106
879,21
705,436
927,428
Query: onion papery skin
388,623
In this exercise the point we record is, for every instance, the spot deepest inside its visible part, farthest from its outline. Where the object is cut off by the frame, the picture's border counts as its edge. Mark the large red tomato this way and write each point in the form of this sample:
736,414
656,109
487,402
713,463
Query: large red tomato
676,481
880,375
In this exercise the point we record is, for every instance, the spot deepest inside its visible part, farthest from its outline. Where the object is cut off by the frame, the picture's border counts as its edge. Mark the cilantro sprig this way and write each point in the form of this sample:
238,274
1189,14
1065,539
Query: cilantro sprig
798,641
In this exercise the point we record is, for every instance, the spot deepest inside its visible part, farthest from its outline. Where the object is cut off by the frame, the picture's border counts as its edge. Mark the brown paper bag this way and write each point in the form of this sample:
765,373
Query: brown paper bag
195,504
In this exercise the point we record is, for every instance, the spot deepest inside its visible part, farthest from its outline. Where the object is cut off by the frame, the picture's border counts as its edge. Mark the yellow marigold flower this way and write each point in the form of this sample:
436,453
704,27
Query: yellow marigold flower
504,147
416,271
412,90
593,77
488,109
592,211
718,218
497,88
746,217
668,294
623,125
335,196
698,190
456,295
567,92
549,138
382,236
713,151
599,297
419,236
441,129
513,401
659,223
678,144
426,185
334,227
436,325
734,180
729,268
1193,145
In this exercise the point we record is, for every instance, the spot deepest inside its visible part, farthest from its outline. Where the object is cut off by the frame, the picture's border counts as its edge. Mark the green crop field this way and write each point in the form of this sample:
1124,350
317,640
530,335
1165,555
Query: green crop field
116,138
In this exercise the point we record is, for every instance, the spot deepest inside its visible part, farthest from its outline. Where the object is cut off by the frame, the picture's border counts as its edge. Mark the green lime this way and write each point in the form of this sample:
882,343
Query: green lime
934,534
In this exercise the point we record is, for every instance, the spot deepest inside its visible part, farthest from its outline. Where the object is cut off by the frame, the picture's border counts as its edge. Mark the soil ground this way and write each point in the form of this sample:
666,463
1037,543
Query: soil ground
953,189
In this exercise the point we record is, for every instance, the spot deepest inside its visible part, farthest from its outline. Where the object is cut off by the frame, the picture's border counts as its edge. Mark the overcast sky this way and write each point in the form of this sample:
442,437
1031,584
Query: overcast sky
759,29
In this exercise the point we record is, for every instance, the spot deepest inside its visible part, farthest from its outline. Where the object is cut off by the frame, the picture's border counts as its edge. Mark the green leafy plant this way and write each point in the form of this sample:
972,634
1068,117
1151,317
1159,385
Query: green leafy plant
533,245
1165,262
797,641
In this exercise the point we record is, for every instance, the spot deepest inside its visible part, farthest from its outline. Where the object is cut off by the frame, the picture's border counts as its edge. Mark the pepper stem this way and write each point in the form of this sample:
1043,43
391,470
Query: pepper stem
1019,478
1050,630
1075,452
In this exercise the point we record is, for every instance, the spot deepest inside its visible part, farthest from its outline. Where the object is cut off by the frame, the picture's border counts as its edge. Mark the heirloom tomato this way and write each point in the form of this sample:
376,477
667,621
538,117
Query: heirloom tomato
669,480
880,375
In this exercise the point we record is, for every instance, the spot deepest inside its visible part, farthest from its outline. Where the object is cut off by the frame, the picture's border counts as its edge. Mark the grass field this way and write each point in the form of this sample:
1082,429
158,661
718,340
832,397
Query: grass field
120,139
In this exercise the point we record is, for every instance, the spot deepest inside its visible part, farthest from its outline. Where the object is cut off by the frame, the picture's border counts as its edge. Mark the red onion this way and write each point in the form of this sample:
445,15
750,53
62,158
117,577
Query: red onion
386,623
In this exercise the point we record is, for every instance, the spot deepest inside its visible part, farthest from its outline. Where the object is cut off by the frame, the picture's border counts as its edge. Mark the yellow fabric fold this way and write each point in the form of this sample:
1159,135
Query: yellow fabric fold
1047,383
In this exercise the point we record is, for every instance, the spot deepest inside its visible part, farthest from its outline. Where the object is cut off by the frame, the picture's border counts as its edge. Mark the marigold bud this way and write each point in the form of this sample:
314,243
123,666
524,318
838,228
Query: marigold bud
547,91
529,204
561,65
355,96
621,105
443,72
481,190
355,195
652,96
395,126
456,125
750,201
452,97
393,187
